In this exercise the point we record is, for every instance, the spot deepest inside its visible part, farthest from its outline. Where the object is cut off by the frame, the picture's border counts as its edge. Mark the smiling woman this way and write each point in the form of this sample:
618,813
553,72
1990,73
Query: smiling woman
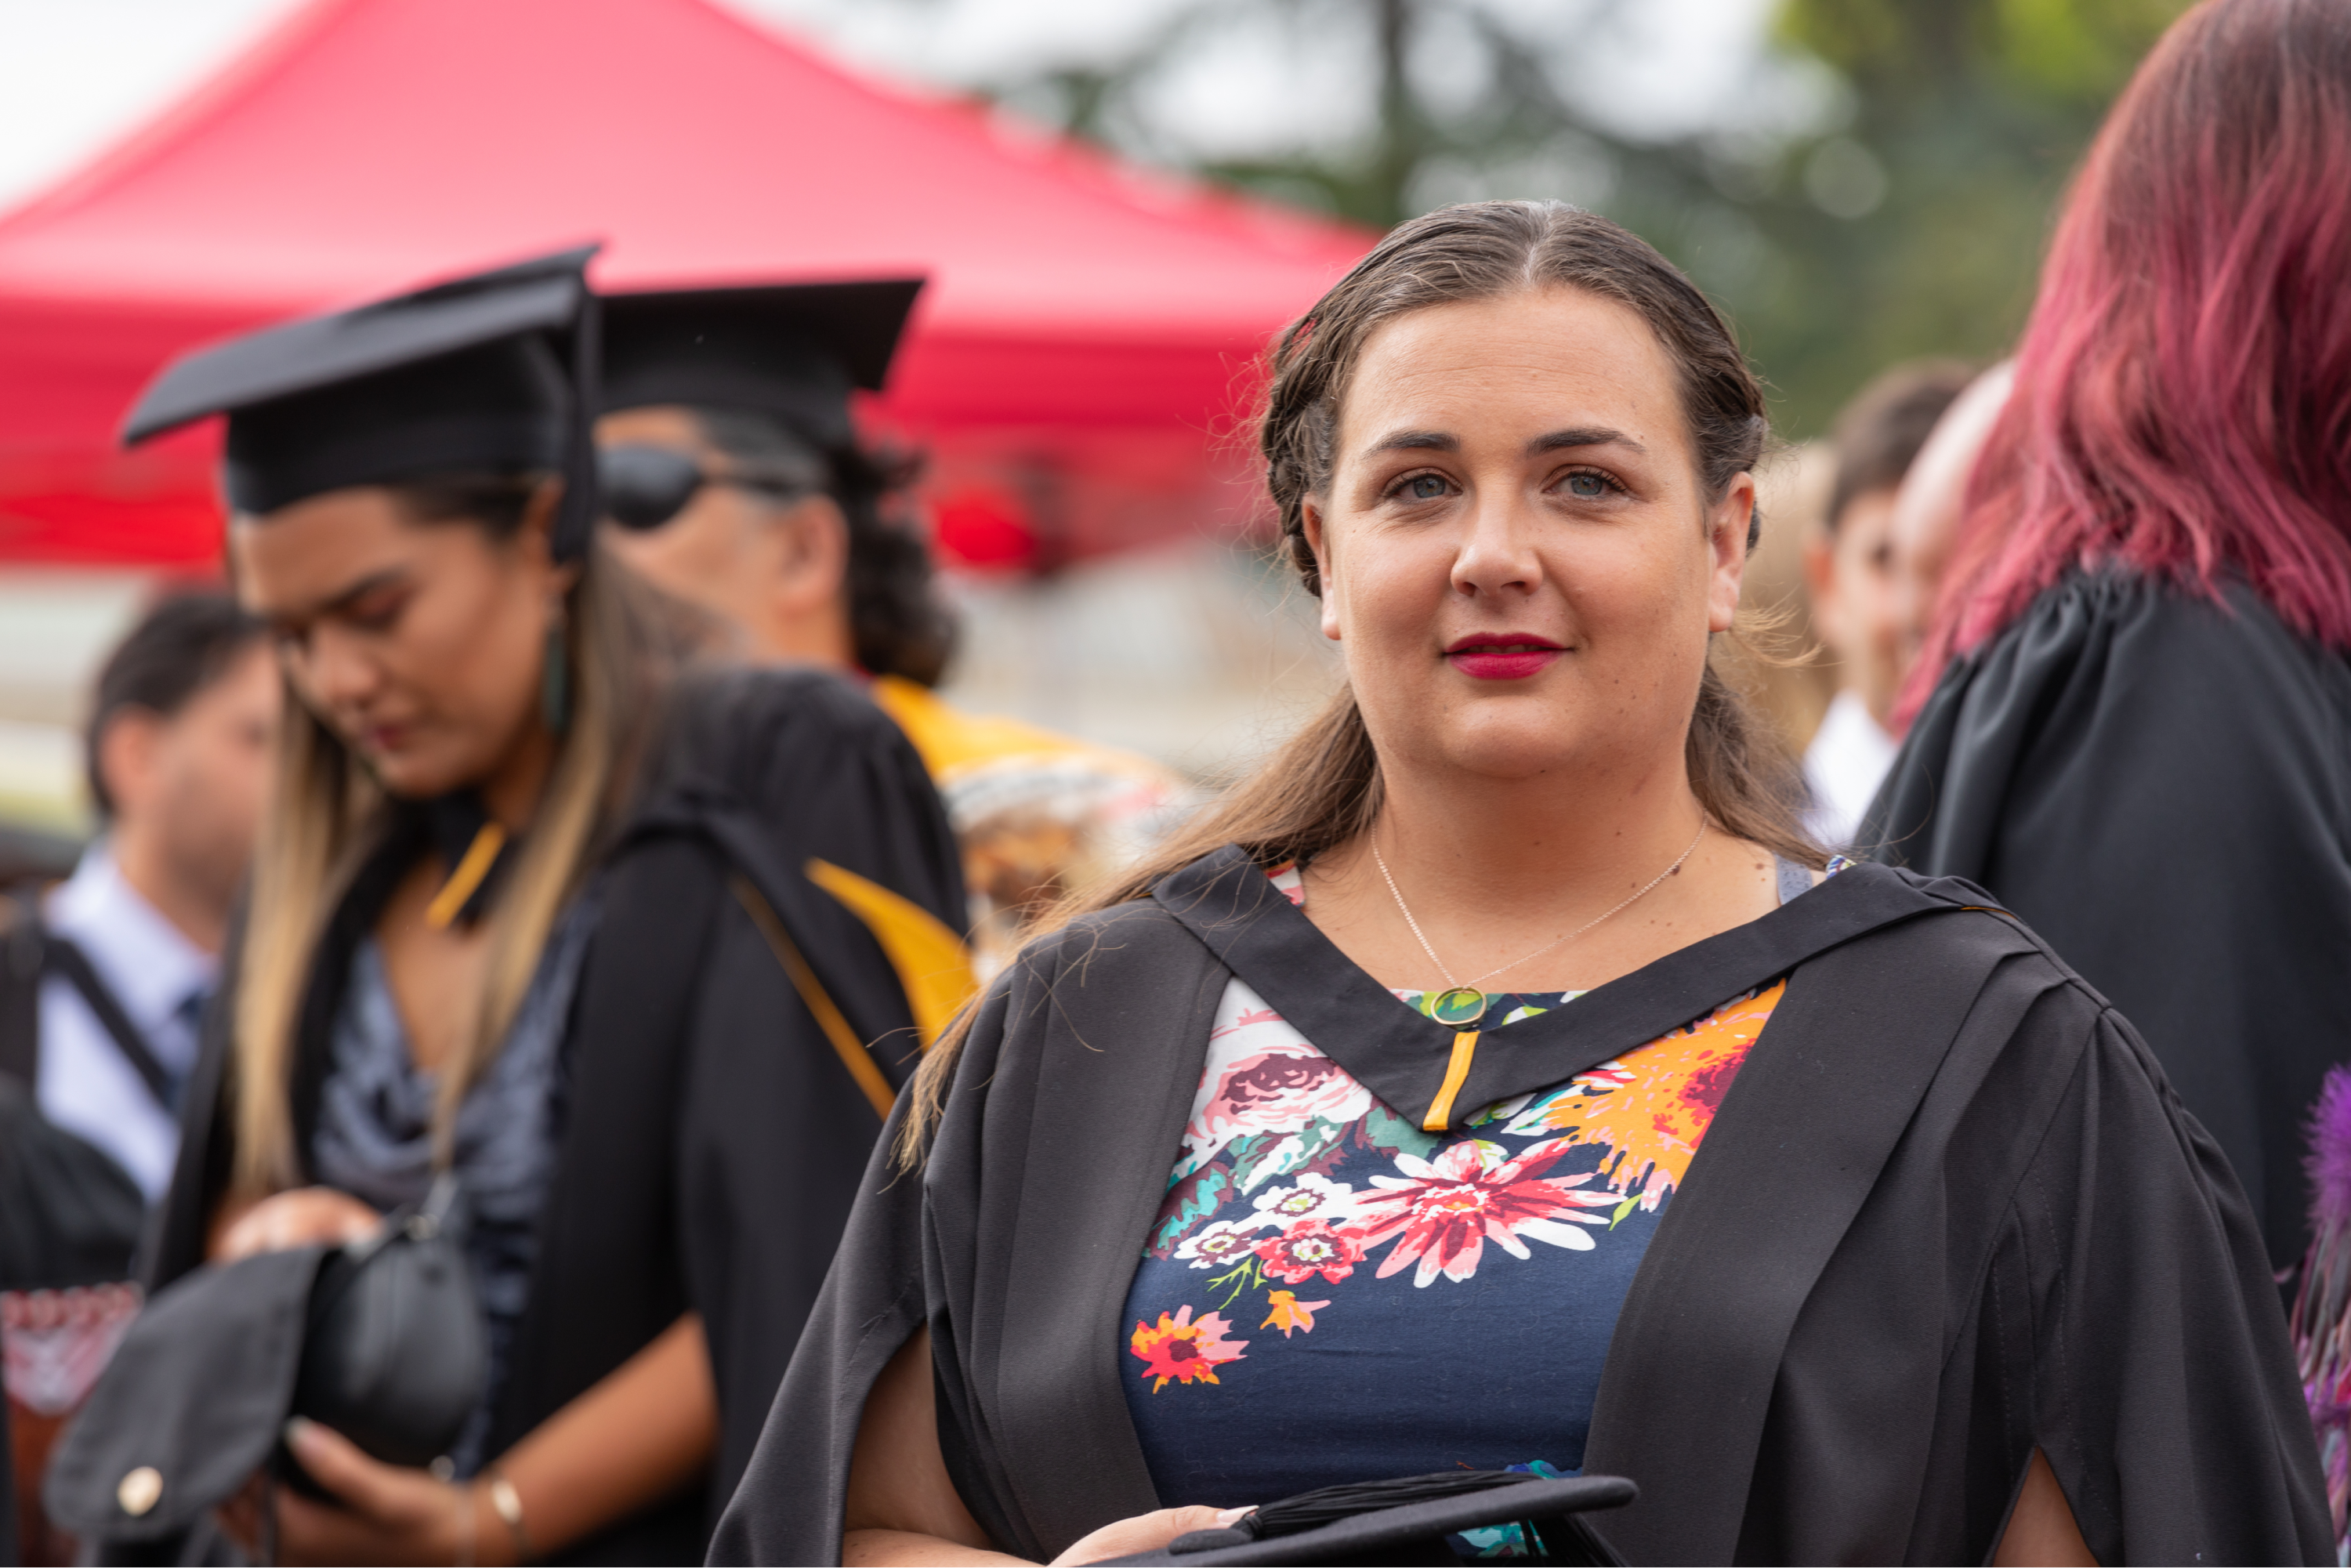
1498,1082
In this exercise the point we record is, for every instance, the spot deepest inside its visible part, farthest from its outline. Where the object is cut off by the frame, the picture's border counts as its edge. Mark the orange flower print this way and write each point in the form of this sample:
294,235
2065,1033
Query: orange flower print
1184,1350
1651,1107
1290,1313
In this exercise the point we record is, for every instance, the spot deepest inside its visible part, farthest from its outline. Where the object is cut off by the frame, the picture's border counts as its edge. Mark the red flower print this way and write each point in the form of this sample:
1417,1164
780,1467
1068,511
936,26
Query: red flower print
1446,1210
1182,1350
1310,1248
1279,1091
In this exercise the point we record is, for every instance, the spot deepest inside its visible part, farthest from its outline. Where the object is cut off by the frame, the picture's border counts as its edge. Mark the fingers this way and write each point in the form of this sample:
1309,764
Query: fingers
339,1464
1146,1533
307,1217
240,1516
313,1531
1184,1521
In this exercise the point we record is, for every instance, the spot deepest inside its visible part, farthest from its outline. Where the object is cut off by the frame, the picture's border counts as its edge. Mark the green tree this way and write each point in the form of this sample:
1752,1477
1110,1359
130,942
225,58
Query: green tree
1906,217
1975,113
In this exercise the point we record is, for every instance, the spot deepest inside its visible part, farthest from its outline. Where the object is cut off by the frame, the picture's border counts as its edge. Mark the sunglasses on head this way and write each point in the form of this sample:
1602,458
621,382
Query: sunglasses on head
646,487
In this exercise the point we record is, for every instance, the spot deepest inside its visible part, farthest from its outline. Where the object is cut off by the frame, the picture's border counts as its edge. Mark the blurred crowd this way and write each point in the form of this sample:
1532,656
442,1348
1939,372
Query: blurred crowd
557,906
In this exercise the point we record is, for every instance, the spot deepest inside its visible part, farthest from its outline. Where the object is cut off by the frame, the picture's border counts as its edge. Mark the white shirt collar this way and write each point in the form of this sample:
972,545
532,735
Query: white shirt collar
148,963
1847,761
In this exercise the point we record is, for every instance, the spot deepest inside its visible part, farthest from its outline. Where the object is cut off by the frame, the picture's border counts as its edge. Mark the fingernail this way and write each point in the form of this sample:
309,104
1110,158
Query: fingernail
1229,1515
297,1431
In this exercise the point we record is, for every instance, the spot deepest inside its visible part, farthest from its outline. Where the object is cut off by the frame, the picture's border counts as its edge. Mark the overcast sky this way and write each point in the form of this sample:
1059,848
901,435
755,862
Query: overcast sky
76,74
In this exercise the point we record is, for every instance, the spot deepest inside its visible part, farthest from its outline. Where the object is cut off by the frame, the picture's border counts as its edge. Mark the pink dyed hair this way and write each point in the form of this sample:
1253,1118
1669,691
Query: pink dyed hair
2183,394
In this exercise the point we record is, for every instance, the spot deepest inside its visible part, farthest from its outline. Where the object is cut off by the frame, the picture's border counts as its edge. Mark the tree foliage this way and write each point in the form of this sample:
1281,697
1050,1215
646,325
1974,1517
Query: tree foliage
1903,213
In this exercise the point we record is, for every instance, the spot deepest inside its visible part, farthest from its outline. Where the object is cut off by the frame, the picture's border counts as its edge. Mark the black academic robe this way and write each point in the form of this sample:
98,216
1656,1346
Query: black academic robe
2009,1235
712,1138
2160,785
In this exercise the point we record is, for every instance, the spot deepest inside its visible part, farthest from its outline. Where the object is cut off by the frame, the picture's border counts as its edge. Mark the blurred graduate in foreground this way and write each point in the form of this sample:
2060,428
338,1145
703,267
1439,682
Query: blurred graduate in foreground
531,915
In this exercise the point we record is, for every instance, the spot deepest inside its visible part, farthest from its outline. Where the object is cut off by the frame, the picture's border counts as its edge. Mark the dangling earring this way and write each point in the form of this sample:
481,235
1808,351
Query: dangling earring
555,678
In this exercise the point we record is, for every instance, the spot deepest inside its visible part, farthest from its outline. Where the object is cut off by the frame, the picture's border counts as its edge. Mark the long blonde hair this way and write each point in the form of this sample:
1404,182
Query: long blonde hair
329,817
1323,788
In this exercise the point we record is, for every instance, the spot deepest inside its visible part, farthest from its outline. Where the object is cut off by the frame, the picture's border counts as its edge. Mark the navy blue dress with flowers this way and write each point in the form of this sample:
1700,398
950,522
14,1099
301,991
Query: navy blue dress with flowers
1331,1295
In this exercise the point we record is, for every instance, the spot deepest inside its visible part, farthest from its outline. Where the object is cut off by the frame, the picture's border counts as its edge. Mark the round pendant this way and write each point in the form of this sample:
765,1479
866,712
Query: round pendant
1459,1007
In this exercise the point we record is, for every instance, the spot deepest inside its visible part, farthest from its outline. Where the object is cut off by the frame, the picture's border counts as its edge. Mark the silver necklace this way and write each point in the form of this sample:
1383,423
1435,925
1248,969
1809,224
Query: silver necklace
1462,1003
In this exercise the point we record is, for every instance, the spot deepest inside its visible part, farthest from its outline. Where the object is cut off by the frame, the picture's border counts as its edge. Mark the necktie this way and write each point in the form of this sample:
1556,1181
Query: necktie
190,1015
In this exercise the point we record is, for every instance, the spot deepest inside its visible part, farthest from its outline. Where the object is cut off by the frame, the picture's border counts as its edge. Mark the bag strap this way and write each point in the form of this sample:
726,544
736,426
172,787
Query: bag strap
61,957
786,908
20,989
821,1005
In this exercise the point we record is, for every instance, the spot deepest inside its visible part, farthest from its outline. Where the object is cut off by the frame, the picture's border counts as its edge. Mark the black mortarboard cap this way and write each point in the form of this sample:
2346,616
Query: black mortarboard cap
1408,1518
491,372
794,350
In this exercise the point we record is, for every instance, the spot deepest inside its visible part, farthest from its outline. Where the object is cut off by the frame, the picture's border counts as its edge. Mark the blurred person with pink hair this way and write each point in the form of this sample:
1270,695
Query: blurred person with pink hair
2134,707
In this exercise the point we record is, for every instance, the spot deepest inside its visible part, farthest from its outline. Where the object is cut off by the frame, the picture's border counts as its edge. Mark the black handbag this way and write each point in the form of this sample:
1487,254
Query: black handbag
382,1340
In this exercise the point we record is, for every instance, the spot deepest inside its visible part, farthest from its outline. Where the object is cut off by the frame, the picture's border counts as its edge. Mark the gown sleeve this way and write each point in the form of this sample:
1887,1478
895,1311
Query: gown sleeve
2164,1350
2131,1303
887,1280
775,1138
2157,784
2054,1256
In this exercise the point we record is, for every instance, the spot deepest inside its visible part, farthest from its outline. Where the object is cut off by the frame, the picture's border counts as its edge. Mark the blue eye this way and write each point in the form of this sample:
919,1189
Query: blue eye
1425,488
1586,486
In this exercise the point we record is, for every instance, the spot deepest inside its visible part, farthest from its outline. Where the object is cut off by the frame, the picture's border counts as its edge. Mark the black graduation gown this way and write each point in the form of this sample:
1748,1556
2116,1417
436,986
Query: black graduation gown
68,1215
2011,1236
712,1140
2162,787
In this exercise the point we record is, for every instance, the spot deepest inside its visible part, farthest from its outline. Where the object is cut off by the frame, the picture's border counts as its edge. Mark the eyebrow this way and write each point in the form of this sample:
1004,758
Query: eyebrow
285,621
1415,441
1553,441
1583,435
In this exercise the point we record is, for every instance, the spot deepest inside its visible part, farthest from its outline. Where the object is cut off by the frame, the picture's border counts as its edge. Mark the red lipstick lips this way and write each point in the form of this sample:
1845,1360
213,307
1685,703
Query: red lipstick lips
1506,657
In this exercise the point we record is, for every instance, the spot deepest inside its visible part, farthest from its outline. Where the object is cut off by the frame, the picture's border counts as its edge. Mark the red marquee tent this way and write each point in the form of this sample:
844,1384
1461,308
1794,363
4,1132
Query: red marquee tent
1075,367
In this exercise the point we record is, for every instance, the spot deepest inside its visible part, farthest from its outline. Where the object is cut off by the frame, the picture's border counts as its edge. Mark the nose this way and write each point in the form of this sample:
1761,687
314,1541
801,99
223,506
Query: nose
1498,553
334,672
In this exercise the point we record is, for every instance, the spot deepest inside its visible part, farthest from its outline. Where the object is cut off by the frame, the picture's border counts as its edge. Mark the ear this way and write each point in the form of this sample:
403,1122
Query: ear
127,749
536,537
1310,513
815,553
1819,575
1727,524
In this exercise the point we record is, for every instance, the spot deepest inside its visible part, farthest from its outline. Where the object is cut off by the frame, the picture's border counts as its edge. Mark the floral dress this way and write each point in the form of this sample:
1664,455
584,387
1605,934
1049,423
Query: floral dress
1331,1294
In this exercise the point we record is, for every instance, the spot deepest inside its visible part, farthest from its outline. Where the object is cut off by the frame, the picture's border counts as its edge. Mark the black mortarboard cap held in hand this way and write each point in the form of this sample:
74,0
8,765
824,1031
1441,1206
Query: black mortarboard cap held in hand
1408,1520
493,373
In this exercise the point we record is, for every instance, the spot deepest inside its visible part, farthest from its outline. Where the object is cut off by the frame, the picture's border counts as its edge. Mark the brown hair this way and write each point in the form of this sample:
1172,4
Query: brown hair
1322,788
1879,433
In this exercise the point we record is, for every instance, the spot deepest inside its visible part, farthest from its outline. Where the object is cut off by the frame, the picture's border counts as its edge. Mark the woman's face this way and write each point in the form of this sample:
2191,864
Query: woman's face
1518,555
420,644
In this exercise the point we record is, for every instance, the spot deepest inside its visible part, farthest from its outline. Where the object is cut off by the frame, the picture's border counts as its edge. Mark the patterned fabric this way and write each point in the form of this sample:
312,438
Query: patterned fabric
54,1344
375,1133
1331,1295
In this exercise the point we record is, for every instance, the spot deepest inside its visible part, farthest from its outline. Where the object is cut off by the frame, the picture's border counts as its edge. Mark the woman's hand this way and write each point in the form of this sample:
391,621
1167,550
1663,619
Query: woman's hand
307,1217
383,1513
1145,1533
